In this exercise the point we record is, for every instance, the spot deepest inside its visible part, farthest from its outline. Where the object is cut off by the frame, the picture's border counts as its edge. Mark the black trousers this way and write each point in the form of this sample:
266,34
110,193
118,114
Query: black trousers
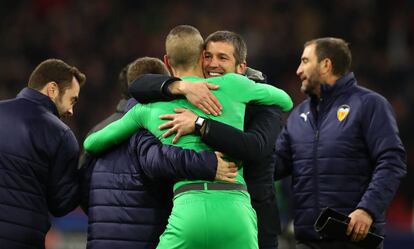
321,244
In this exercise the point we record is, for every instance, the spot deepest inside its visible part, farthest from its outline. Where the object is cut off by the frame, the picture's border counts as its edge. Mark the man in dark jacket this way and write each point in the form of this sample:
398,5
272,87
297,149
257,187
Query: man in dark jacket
341,147
225,52
38,155
128,188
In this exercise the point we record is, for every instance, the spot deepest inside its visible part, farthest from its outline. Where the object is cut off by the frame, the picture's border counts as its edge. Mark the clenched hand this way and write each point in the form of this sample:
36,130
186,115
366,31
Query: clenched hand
226,171
359,225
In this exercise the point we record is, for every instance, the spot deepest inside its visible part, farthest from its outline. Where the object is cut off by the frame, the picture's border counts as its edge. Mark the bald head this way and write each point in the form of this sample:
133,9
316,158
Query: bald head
184,45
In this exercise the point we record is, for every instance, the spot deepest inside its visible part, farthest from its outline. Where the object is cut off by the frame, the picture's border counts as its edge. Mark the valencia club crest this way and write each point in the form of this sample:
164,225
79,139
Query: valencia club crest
342,112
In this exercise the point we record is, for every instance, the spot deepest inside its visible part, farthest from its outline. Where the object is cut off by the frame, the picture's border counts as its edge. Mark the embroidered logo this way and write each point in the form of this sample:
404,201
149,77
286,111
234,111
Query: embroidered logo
342,112
304,116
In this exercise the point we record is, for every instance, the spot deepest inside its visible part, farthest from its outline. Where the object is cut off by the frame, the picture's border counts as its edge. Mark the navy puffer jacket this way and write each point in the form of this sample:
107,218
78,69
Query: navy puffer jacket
130,190
38,169
343,152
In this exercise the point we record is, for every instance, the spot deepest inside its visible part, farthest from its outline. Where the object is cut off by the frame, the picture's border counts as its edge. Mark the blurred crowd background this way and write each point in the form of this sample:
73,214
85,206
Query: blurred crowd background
102,36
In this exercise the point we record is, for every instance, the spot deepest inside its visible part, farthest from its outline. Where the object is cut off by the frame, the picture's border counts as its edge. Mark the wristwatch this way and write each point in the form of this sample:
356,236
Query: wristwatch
198,124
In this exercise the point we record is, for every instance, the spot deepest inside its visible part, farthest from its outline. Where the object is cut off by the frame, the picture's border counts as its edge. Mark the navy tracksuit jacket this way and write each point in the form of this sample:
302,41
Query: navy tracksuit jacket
344,152
38,169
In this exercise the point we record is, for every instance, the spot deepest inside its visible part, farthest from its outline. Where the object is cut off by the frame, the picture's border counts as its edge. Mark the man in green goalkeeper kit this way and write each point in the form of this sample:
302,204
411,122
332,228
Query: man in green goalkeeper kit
205,214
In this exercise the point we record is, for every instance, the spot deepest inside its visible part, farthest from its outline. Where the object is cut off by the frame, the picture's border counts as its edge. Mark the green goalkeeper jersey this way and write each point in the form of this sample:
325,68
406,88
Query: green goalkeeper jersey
234,93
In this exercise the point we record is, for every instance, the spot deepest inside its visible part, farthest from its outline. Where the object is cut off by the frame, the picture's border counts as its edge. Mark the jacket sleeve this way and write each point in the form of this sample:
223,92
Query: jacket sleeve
283,155
86,165
258,139
62,189
150,88
386,151
160,161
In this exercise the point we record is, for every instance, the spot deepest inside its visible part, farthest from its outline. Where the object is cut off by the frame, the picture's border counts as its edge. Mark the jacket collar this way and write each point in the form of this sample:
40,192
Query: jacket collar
38,98
121,106
340,85
129,104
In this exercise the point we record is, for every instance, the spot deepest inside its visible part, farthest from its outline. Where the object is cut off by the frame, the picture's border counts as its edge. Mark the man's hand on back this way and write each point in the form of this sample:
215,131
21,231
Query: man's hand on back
199,94
181,123
226,171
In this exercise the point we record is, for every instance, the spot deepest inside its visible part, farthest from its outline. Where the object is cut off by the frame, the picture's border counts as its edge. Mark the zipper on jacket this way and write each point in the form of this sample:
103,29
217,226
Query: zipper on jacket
315,169
315,156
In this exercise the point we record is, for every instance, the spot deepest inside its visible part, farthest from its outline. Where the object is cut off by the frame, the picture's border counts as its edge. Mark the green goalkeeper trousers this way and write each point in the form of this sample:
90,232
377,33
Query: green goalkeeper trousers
211,219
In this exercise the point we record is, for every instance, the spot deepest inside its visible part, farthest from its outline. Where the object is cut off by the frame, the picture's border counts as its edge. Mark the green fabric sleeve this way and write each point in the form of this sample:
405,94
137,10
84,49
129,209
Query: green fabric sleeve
114,133
262,94
271,95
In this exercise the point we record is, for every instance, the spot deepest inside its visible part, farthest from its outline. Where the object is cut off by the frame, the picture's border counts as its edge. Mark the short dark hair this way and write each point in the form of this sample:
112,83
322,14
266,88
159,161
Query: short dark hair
240,48
183,46
145,65
335,49
55,70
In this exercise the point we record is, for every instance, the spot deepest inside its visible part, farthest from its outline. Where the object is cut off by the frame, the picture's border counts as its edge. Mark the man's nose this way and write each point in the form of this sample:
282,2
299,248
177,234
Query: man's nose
299,71
214,62
70,112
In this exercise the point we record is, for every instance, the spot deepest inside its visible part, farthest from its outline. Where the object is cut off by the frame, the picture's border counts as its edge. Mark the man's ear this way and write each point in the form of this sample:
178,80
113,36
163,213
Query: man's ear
168,64
52,90
241,68
326,66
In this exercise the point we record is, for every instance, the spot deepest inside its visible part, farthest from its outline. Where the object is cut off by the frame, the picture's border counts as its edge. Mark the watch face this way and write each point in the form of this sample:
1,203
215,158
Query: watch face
200,121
